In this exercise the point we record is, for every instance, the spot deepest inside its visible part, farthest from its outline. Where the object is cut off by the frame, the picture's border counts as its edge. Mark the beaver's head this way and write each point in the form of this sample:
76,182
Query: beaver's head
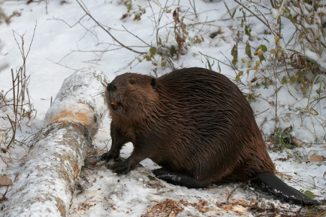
131,94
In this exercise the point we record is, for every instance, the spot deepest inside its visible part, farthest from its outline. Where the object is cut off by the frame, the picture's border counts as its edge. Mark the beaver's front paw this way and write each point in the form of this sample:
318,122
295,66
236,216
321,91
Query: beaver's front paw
108,156
122,167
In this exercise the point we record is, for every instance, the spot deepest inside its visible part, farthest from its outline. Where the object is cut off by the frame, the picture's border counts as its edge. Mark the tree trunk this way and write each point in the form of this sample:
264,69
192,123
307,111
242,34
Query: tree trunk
45,183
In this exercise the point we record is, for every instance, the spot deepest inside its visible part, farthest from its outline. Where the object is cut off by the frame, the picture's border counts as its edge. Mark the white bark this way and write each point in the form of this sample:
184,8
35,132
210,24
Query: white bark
45,183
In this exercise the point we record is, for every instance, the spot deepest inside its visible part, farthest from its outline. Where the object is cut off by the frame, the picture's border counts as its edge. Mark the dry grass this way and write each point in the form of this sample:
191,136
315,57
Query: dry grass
15,104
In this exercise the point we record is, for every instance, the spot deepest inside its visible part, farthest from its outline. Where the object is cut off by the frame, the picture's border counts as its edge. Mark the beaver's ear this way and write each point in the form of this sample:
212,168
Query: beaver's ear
153,83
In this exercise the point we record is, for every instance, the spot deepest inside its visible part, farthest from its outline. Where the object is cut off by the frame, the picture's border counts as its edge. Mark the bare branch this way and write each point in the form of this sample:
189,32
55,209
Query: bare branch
84,8
263,21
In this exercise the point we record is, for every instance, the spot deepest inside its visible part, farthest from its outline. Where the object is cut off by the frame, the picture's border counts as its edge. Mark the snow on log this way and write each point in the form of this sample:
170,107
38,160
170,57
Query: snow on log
45,184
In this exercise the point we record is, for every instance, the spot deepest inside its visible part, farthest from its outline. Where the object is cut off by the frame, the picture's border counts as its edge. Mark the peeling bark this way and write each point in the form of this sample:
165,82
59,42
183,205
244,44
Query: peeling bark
45,184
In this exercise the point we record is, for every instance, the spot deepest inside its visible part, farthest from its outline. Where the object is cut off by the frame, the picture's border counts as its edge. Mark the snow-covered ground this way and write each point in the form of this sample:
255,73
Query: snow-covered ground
66,40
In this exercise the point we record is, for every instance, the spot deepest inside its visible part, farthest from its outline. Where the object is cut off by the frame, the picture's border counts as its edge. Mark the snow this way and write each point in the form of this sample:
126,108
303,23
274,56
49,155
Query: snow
66,41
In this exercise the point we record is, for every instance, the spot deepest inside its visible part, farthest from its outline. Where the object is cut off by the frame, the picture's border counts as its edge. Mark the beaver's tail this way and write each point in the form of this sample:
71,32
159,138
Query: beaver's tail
270,182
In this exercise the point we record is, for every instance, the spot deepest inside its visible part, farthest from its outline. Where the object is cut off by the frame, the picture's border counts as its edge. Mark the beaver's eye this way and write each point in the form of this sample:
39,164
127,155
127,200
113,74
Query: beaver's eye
111,87
132,81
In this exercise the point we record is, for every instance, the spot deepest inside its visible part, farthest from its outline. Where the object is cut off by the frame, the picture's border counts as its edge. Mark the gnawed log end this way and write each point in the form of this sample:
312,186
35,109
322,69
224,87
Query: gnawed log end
84,115
46,182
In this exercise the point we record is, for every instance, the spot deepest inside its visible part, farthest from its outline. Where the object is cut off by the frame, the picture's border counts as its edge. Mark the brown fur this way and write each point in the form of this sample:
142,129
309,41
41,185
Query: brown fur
192,121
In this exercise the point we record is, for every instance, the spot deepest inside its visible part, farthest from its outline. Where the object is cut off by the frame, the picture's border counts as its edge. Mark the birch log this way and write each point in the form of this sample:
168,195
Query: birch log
45,183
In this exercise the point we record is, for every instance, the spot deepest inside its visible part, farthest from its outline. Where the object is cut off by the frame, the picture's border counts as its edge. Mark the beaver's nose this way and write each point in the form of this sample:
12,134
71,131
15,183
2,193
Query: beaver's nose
111,87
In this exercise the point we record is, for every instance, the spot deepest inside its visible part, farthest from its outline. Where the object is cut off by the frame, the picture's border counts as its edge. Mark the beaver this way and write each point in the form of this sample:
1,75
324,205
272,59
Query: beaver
196,124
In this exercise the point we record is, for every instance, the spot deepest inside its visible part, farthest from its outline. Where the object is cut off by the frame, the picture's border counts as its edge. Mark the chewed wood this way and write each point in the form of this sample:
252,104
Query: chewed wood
70,116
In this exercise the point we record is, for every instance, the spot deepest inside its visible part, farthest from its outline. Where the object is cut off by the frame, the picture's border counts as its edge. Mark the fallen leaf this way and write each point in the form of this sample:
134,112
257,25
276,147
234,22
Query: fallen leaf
316,158
5,181
297,142
166,208
201,206
239,206
309,194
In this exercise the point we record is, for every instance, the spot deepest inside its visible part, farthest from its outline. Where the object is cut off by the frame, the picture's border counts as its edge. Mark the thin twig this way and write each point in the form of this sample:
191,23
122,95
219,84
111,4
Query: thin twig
193,6
263,21
232,192
13,128
83,7
66,23
4,198
136,36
